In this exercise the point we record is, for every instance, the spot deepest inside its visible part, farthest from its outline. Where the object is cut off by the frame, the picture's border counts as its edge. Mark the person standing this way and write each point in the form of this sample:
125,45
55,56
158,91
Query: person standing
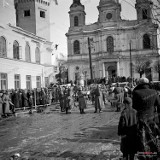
97,99
82,102
5,103
15,98
119,95
61,99
145,101
24,99
127,129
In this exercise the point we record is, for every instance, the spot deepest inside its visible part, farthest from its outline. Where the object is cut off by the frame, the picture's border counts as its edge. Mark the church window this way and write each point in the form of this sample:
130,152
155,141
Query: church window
37,54
27,53
3,51
146,42
109,16
15,50
76,22
42,14
76,47
110,44
145,13
27,13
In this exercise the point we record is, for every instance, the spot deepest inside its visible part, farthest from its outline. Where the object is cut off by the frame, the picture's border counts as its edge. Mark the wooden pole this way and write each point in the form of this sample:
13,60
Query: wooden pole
90,60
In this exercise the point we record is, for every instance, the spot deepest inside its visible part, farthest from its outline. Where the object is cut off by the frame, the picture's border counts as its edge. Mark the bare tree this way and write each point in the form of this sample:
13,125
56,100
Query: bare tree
142,65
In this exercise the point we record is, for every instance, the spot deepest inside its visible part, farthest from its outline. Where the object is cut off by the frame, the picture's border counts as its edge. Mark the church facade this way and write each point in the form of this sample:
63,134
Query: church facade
112,46
25,51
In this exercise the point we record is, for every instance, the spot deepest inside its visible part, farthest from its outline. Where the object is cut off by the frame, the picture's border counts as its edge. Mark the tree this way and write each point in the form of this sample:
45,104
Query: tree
142,66
156,67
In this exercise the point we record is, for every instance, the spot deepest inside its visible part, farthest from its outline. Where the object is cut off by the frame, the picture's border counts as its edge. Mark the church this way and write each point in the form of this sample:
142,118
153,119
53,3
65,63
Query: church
25,47
112,46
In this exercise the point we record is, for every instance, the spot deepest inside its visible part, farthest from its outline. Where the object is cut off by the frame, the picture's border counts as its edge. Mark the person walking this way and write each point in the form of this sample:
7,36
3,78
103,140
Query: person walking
127,129
97,99
82,102
145,101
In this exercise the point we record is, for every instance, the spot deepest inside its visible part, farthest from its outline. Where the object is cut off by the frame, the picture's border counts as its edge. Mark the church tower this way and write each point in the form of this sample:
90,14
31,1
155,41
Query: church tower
34,16
109,11
77,14
144,9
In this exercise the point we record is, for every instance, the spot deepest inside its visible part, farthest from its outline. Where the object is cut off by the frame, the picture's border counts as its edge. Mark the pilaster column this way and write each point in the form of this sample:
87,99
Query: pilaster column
118,68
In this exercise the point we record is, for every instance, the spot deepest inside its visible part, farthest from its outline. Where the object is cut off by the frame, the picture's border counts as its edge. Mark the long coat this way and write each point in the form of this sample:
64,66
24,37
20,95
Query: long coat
5,100
15,99
144,101
81,100
99,103
127,128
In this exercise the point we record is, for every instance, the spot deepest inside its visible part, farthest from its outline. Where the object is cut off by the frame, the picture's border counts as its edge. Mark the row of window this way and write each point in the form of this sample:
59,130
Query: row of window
110,44
17,51
27,13
17,81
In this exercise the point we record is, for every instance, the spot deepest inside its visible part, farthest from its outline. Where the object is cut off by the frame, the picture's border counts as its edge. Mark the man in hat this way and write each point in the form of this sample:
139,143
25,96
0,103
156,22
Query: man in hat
127,129
146,101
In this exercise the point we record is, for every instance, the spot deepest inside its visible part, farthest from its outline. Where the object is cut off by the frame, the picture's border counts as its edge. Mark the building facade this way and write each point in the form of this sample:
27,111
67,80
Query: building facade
117,46
25,54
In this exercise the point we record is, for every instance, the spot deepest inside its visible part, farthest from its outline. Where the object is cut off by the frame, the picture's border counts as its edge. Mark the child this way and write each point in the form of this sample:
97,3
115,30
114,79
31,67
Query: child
127,129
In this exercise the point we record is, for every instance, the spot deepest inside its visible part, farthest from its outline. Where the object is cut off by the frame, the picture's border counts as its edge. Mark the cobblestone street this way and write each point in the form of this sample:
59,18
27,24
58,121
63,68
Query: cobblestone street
53,135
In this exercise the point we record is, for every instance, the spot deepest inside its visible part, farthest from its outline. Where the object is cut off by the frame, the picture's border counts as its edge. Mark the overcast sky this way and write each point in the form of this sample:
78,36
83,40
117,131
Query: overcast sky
60,17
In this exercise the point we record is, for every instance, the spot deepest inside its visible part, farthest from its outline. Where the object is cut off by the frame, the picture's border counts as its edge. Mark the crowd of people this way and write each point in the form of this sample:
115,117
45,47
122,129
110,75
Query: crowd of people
138,101
12,100
139,122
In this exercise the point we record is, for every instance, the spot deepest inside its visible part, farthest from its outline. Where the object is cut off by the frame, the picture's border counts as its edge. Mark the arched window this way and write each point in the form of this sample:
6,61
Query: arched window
146,42
3,51
110,44
15,50
76,47
27,53
144,13
76,22
37,55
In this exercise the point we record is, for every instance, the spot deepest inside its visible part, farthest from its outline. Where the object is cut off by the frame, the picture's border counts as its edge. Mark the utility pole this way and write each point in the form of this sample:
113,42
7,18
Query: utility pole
90,59
130,48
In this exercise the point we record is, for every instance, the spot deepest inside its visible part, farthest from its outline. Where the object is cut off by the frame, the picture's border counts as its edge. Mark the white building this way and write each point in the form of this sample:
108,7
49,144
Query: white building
25,51
113,41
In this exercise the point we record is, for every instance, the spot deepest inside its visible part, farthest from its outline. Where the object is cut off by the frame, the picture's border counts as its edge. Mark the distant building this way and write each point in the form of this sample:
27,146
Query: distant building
114,42
25,49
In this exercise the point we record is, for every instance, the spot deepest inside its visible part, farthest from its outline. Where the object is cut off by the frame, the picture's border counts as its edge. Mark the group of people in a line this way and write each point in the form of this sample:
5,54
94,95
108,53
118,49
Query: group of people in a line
139,122
10,100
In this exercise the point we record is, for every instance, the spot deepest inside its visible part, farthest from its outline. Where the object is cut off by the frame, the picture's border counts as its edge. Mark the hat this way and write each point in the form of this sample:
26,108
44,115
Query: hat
143,80
127,100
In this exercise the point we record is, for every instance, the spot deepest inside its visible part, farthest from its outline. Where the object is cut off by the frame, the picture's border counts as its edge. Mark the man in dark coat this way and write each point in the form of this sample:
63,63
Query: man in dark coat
145,101
15,98
127,129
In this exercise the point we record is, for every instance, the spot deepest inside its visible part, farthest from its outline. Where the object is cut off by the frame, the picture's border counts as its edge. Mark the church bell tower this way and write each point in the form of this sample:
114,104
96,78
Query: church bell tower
34,16
77,14
109,11
144,9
